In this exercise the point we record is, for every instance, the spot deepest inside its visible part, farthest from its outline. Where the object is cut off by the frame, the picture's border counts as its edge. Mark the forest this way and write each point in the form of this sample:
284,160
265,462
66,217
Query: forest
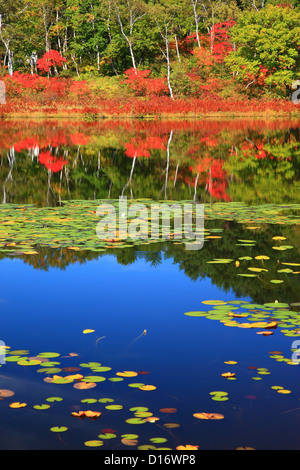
149,58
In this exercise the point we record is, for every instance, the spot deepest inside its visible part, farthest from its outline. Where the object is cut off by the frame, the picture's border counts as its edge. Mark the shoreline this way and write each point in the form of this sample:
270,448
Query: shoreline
141,109
94,117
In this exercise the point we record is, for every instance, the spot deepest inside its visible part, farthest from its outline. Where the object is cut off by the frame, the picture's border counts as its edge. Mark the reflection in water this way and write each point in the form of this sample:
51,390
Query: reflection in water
235,160
197,265
251,161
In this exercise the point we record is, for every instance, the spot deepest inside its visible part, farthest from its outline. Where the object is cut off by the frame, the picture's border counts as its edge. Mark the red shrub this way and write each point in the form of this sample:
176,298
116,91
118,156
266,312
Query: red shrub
142,85
50,59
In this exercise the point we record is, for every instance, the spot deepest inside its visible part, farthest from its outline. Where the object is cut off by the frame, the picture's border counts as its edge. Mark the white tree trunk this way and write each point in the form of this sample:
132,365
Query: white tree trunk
194,3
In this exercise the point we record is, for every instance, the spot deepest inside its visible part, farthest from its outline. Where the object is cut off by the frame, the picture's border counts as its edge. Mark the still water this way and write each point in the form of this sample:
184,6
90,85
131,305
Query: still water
140,301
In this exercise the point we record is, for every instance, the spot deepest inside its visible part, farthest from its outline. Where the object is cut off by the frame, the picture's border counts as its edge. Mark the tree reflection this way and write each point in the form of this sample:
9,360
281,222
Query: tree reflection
240,160
195,264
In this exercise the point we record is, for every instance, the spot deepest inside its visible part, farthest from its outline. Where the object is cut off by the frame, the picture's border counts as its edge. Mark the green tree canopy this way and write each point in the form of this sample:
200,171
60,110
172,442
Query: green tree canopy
266,44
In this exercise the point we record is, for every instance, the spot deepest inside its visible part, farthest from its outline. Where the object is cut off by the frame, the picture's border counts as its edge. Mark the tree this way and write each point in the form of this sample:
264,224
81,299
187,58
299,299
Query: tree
163,14
267,48
87,33
128,13
197,18
44,13
51,60
12,34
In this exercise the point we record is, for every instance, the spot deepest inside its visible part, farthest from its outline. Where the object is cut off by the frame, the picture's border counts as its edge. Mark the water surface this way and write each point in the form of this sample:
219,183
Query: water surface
49,298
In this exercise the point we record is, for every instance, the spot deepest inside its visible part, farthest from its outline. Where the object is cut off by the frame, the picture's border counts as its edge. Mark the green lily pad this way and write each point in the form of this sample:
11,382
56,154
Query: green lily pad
114,407
93,443
28,362
136,421
196,314
59,429
108,435
158,440
48,355
94,378
41,407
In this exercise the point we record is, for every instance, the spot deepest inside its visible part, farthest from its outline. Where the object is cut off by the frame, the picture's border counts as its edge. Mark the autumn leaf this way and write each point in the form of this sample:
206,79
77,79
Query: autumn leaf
187,447
228,374
127,373
245,448
152,419
88,414
6,393
17,404
129,442
208,416
168,410
147,387
84,385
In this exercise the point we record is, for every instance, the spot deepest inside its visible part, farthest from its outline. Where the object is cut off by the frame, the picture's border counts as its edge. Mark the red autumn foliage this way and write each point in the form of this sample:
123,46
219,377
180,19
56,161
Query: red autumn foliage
79,139
141,145
204,58
141,84
50,59
191,40
255,149
221,42
27,143
79,88
211,142
259,77
26,93
213,176
51,162
134,150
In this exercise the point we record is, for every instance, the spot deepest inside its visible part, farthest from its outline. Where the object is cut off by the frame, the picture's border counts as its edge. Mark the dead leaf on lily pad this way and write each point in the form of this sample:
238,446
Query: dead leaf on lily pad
187,447
74,377
147,387
152,419
51,379
88,414
245,448
84,385
17,404
127,373
270,325
168,410
129,442
6,393
237,315
265,333
208,415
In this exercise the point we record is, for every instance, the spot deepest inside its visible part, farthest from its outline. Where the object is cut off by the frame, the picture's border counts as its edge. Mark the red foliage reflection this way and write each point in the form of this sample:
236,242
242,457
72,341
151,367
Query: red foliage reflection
51,162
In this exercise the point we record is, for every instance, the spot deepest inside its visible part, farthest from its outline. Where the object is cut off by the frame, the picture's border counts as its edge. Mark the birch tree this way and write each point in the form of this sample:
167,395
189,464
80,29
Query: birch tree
197,17
128,13
12,33
163,15
4,36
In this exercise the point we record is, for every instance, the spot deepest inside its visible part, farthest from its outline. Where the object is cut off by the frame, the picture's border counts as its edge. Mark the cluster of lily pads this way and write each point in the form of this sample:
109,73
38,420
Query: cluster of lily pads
49,364
73,225
263,318
97,405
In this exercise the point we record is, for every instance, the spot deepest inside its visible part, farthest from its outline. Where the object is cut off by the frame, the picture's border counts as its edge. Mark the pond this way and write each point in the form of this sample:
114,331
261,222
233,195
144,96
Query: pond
143,344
